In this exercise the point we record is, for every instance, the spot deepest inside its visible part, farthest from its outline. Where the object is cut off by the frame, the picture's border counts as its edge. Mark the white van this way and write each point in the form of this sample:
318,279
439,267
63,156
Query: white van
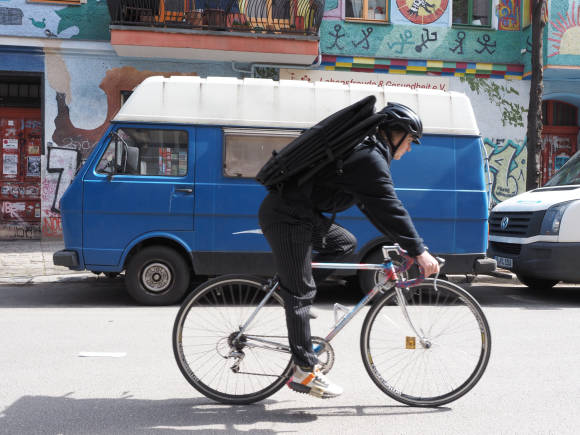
537,234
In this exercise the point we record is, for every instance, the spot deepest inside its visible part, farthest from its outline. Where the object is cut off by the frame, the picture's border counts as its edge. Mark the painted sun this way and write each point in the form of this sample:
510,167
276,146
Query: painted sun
566,32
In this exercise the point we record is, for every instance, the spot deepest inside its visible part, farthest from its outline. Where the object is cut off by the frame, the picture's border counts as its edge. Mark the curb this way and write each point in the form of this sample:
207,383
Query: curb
46,278
496,277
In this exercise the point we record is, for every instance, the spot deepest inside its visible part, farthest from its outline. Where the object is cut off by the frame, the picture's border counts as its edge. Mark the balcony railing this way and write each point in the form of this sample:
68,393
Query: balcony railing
256,16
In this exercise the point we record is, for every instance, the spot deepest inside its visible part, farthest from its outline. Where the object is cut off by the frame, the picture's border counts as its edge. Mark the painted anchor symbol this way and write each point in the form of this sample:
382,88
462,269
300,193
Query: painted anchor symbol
337,36
365,40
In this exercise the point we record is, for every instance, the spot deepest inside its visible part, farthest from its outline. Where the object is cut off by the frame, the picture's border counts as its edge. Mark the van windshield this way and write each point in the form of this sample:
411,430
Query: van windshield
568,174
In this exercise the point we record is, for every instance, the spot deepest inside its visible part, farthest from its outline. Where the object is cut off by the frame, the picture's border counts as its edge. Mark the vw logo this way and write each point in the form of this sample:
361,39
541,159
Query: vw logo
504,222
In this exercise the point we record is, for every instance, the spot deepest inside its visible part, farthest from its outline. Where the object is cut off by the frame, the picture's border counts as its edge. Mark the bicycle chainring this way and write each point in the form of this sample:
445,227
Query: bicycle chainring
325,354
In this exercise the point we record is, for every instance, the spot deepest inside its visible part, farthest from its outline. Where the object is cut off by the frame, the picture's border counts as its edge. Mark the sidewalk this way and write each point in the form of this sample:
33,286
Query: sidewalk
30,261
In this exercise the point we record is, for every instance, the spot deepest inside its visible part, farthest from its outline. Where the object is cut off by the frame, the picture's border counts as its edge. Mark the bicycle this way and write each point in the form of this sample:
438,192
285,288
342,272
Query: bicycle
424,342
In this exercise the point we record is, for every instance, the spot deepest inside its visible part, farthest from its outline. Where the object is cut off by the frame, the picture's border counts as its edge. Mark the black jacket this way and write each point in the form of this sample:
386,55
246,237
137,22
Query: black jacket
366,181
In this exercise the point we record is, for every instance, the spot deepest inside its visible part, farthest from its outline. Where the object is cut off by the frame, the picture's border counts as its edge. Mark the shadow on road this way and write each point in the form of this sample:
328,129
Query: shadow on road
90,292
520,296
45,414
106,292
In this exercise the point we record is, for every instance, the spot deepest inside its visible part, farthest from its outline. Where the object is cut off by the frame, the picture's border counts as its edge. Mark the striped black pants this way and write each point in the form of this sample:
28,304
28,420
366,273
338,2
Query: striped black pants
293,232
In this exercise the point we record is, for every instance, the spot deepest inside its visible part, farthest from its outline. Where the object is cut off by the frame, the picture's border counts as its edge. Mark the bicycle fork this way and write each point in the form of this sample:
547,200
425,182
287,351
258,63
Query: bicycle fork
426,343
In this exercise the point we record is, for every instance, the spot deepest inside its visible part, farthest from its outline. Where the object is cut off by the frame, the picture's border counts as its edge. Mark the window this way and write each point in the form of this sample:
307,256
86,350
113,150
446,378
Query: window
472,12
366,9
141,151
559,113
246,150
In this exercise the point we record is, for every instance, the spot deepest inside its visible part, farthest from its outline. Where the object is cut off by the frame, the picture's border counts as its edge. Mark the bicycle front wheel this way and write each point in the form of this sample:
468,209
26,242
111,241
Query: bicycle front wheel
439,360
211,356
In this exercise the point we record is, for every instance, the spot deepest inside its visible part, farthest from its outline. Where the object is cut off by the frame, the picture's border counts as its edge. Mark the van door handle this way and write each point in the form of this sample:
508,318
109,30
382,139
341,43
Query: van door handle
184,190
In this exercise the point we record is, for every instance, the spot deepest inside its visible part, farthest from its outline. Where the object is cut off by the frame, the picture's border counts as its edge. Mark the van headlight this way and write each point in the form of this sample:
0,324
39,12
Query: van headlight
553,218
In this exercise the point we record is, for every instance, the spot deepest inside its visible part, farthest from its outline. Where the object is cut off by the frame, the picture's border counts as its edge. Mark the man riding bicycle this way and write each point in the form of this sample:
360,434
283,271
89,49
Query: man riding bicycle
293,223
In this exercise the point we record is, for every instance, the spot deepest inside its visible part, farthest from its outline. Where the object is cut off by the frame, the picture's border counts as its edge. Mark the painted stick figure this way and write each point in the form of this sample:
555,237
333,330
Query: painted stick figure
425,38
337,36
459,40
405,40
486,45
417,4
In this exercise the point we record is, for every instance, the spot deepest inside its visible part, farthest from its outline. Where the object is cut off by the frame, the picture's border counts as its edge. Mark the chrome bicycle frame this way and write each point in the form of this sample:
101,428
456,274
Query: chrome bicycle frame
389,277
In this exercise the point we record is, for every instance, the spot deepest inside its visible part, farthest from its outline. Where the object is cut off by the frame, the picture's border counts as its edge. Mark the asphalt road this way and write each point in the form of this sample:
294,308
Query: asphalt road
532,384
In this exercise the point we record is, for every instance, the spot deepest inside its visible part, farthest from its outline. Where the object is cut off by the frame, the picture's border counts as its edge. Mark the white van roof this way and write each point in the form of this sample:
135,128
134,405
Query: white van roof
284,104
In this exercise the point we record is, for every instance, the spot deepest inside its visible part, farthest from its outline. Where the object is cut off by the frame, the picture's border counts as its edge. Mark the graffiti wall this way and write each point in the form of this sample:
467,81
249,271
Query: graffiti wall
504,140
507,167
45,20
82,93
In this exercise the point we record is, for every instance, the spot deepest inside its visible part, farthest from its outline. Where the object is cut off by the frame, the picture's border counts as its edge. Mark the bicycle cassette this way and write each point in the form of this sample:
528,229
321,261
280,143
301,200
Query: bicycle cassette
324,352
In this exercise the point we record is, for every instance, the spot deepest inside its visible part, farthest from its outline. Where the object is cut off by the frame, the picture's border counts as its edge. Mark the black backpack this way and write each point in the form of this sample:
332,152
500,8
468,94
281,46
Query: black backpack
331,140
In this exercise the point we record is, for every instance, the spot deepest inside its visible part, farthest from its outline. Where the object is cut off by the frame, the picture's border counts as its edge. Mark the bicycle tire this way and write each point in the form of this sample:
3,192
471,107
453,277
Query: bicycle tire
397,365
208,319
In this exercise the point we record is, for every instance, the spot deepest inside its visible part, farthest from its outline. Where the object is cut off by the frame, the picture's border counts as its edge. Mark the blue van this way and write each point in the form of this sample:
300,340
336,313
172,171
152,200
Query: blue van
168,193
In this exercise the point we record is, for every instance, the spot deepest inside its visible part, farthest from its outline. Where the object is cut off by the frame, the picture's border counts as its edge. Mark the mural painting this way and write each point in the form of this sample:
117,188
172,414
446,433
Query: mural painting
507,166
422,11
44,20
508,12
70,145
564,33
418,42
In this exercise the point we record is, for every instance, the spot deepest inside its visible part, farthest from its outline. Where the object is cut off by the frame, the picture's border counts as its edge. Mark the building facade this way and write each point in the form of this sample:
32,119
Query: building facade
67,66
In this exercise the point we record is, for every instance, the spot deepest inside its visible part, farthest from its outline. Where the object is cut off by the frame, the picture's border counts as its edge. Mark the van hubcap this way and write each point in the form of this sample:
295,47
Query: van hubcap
156,277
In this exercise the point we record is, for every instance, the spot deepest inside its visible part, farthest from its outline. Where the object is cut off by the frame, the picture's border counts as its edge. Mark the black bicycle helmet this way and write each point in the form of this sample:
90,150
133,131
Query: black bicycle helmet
398,116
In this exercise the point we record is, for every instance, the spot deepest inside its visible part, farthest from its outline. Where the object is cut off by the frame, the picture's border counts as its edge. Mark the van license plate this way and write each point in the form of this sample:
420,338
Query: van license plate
506,263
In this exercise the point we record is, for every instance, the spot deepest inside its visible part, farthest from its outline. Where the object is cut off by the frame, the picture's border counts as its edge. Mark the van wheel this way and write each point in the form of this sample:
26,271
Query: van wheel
537,283
157,275
368,278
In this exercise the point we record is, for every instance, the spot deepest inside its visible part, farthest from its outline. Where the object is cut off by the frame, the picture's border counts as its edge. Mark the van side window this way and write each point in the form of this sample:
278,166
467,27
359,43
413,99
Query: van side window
143,151
246,150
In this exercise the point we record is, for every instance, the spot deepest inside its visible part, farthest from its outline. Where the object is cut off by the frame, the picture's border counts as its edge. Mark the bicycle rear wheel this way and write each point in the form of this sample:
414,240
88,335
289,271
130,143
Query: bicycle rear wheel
204,341
441,365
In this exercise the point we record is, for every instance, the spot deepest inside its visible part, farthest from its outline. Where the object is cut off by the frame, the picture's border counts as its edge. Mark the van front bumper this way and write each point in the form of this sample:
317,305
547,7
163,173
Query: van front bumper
544,260
66,258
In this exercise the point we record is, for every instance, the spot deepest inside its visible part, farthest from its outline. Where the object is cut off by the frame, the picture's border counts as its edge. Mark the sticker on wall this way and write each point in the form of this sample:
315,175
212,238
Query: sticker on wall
10,165
422,11
10,144
33,167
